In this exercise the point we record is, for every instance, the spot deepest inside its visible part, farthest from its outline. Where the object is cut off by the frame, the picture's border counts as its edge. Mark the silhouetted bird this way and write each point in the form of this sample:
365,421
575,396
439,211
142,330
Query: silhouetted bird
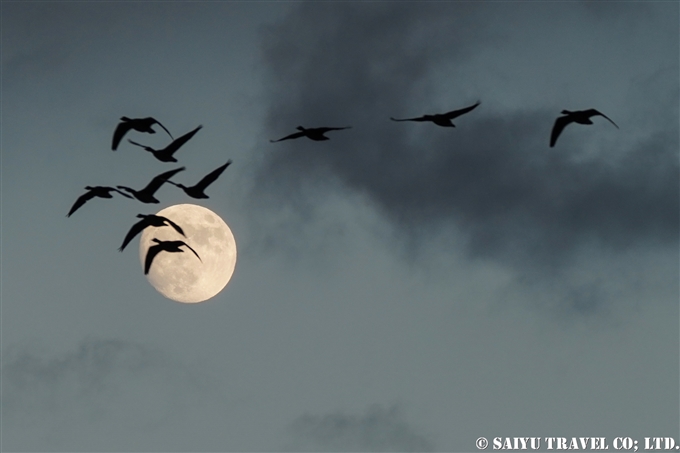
164,246
138,124
92,192
579,116
146,194
441,119
165,154
197,191
314,133
147,221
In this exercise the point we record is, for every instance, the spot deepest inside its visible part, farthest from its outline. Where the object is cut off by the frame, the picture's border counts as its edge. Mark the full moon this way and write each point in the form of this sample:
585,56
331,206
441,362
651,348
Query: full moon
181,276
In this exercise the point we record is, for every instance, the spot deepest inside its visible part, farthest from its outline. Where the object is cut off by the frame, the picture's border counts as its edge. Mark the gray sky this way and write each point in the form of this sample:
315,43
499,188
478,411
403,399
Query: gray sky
399,287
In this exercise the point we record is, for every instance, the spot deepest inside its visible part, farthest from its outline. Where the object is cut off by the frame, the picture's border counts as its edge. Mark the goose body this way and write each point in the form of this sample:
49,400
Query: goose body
146,195
147,221
198,190
314,133
93,192
138,124
441,119
164,246
578,116
166,154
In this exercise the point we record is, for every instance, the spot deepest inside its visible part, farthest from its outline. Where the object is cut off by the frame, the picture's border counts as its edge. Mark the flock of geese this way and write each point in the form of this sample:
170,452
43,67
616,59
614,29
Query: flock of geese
444,120
146,194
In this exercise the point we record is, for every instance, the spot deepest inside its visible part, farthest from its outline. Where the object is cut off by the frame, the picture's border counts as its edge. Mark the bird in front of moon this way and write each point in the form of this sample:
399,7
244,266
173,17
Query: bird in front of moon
146,195
166,154
181,276
92,192
147,221
198,190
313,133
442,119
138,124
578,116
164,246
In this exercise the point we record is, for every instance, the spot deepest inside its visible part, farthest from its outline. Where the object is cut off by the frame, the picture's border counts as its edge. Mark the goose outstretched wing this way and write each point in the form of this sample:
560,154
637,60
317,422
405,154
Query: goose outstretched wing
150,255
189,247
122,129
593,112
134,231
175,226
178,142
158,181
288,137
323,130
456,113
159,123
81,201
211,177
420,118
560,124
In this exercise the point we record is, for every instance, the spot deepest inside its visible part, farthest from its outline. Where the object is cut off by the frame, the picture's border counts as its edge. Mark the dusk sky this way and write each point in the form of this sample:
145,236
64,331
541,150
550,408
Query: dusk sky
399,287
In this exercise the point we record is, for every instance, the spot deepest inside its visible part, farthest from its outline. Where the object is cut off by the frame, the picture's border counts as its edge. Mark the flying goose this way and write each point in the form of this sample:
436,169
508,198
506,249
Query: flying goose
92,192
164,246
313,133
578,116
146,194
198,190
147,221
138,124
165,154
442,119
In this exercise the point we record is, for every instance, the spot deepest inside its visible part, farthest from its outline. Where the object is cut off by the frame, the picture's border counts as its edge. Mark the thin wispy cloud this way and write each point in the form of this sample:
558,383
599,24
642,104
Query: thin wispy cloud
101,386
378,429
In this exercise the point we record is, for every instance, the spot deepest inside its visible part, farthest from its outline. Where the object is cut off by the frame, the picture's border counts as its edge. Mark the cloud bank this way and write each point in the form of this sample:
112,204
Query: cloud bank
493,180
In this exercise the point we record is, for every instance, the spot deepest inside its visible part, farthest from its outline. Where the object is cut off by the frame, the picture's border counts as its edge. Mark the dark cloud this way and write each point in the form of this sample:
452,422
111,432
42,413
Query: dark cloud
379,429
493,179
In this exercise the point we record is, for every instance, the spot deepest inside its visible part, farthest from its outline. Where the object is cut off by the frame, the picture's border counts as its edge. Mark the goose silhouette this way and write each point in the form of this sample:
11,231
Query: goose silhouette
166,154
164,246
92,192
138,124
313,133
578,116
147,221
198,190
442,119
146,194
